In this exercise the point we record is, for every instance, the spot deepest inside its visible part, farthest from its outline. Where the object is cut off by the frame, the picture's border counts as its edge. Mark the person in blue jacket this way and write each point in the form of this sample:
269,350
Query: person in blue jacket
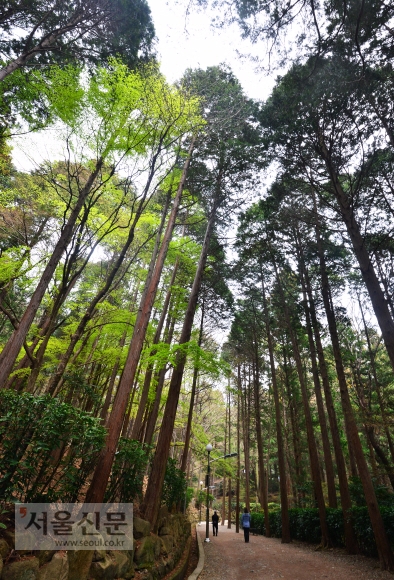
246,524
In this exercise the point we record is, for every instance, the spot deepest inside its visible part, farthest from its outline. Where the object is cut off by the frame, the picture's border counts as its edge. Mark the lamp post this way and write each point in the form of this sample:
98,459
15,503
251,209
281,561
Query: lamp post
201,482
208,449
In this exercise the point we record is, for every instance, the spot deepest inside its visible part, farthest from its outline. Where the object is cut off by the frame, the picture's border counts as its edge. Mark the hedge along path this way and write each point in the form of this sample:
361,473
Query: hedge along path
227,557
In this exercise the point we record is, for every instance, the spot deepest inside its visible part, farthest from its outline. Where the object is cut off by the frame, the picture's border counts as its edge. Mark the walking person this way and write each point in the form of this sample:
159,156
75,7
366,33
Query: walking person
246,524
215,523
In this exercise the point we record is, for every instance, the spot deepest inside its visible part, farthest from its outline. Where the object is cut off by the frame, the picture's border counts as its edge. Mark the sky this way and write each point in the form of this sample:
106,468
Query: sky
187,40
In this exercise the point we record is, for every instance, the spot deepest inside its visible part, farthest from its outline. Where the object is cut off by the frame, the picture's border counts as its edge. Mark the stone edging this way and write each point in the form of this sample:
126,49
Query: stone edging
201,559
179,574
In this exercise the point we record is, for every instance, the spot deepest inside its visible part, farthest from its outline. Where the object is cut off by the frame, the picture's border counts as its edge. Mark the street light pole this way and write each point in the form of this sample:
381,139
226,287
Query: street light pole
200,498
209,449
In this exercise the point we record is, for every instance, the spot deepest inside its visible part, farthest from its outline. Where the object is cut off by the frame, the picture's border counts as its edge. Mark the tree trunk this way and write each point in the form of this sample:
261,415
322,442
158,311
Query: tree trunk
224,476
295,428
18,337
155,484
367,270
237,492
148,374
160,378
314,458
259,438
103,292
382,544
346,502
229,450
245,435
332,495
286,538
377,385
103,469
192,397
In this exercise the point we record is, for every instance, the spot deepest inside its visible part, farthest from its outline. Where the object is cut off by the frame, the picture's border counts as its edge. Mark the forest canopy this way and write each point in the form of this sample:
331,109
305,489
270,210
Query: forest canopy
133,331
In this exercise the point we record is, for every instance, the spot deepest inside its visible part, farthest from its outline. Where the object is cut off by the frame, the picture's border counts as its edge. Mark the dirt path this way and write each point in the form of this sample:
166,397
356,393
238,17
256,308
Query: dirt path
227,557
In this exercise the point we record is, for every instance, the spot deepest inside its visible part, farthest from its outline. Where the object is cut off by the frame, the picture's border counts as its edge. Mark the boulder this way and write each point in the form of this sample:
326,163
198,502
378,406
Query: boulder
4,548
98,555
103,570
79,563
56,569
141,528
9,537
147,551
21,570
44,556
162,517
167,542
26,543
124,565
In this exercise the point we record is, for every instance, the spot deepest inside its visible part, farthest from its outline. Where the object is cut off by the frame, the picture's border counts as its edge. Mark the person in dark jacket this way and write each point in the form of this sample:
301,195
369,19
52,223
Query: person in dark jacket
246,524
215,523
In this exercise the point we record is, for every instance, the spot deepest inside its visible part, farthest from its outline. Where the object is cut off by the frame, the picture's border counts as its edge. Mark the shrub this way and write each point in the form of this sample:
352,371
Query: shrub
175,486
305,526
47,448
128,471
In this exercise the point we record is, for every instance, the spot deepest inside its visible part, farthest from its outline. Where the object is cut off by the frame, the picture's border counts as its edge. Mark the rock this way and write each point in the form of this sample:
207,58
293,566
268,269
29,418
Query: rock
141,528
170,564
162,517
56,569
22,570
147,551
98,555
4,548
174,526
163,549
167,542
44,556
124,565
26,543
9,538
103,570
188,529
79,564
161,569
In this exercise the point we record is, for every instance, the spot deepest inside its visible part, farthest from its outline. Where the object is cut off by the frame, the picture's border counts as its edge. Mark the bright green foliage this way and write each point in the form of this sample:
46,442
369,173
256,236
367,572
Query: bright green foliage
130,111
204,360
41,97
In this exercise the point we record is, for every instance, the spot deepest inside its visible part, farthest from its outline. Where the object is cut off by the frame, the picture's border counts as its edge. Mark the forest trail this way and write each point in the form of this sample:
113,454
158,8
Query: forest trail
227,557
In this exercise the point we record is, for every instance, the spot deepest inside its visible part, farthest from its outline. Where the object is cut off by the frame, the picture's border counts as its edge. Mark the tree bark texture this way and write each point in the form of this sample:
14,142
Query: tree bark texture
18,337
101,475
382,544
155,484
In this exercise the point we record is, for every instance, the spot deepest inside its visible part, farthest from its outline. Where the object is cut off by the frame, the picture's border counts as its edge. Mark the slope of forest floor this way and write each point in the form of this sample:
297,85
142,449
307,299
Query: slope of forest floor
227,557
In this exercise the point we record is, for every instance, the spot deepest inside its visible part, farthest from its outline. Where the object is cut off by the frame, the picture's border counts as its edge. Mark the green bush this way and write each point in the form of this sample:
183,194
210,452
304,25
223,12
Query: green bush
175,485
128,471
305,526
383,495
47,448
